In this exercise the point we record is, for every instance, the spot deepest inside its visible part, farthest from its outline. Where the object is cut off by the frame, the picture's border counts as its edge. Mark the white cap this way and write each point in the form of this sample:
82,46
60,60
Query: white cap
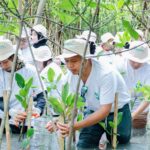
40,28
140,33
6,49
106,37
42,53
139,54
85,35
73,47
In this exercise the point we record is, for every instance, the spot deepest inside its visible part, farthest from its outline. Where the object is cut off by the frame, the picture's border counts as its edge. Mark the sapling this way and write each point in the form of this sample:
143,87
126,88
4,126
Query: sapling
63,102
23,97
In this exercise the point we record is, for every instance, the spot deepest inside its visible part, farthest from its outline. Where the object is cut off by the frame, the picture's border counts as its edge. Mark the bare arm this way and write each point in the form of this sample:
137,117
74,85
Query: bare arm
89,121
94,118
140,109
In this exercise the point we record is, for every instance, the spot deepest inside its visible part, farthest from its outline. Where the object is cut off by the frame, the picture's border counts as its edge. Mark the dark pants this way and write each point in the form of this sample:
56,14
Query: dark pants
89,137
16,130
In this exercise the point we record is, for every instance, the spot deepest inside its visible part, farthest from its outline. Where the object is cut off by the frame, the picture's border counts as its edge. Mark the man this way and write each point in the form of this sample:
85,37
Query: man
16,112
101,84
107,46
135,68
24,47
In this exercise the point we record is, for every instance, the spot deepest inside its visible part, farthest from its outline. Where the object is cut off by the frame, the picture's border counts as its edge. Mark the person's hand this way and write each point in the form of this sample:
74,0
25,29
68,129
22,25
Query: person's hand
50,126
19,117
36,112
63,129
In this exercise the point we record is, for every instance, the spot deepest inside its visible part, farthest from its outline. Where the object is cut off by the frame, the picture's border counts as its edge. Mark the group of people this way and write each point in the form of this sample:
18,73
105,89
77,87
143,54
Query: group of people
103,77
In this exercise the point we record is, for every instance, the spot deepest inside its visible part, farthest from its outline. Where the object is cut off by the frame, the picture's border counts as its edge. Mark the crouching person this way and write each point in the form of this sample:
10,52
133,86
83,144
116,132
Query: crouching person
17,114
101,85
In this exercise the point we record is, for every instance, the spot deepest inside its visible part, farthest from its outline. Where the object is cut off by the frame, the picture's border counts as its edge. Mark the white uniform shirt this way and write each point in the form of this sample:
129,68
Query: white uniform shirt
133,76
26,56
27,72
102,85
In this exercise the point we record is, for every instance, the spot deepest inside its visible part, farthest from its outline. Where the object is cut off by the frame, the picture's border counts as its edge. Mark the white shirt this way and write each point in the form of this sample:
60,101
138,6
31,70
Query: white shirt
27,72
102,85
133,76
26,56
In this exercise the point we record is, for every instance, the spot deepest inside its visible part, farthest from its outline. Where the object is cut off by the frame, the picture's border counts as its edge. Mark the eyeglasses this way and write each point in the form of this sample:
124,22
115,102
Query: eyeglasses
84,90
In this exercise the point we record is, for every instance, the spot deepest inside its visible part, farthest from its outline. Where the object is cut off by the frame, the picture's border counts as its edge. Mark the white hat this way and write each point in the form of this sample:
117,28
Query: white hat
85,35
140,33
106,37
42,53
139,54
6,49
73,47
40,28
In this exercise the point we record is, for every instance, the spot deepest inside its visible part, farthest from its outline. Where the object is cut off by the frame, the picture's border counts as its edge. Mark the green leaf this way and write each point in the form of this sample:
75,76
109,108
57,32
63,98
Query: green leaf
57,105
103,125
120,4
49,89
70,100
25,143
65,91
58,78
80,104
30,132
127,2
120,115
80,117
19,98
23,92
66,5
120,45
65,17
20,80
51,75
108,6
129,28
24,104
111,124
13,4
28,83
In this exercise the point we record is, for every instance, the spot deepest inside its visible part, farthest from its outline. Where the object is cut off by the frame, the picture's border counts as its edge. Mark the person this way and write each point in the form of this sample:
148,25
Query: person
17,114
43,57
92,40
98,86
134,69
108,48
38,36
24,47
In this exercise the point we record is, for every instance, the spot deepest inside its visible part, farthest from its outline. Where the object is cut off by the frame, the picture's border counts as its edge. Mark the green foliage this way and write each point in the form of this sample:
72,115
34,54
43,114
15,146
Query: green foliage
65,91
144,89
129,28
25,86
57,105
64,105
125,37
51,75
30,132
127,2
111,123
26,142
20,80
